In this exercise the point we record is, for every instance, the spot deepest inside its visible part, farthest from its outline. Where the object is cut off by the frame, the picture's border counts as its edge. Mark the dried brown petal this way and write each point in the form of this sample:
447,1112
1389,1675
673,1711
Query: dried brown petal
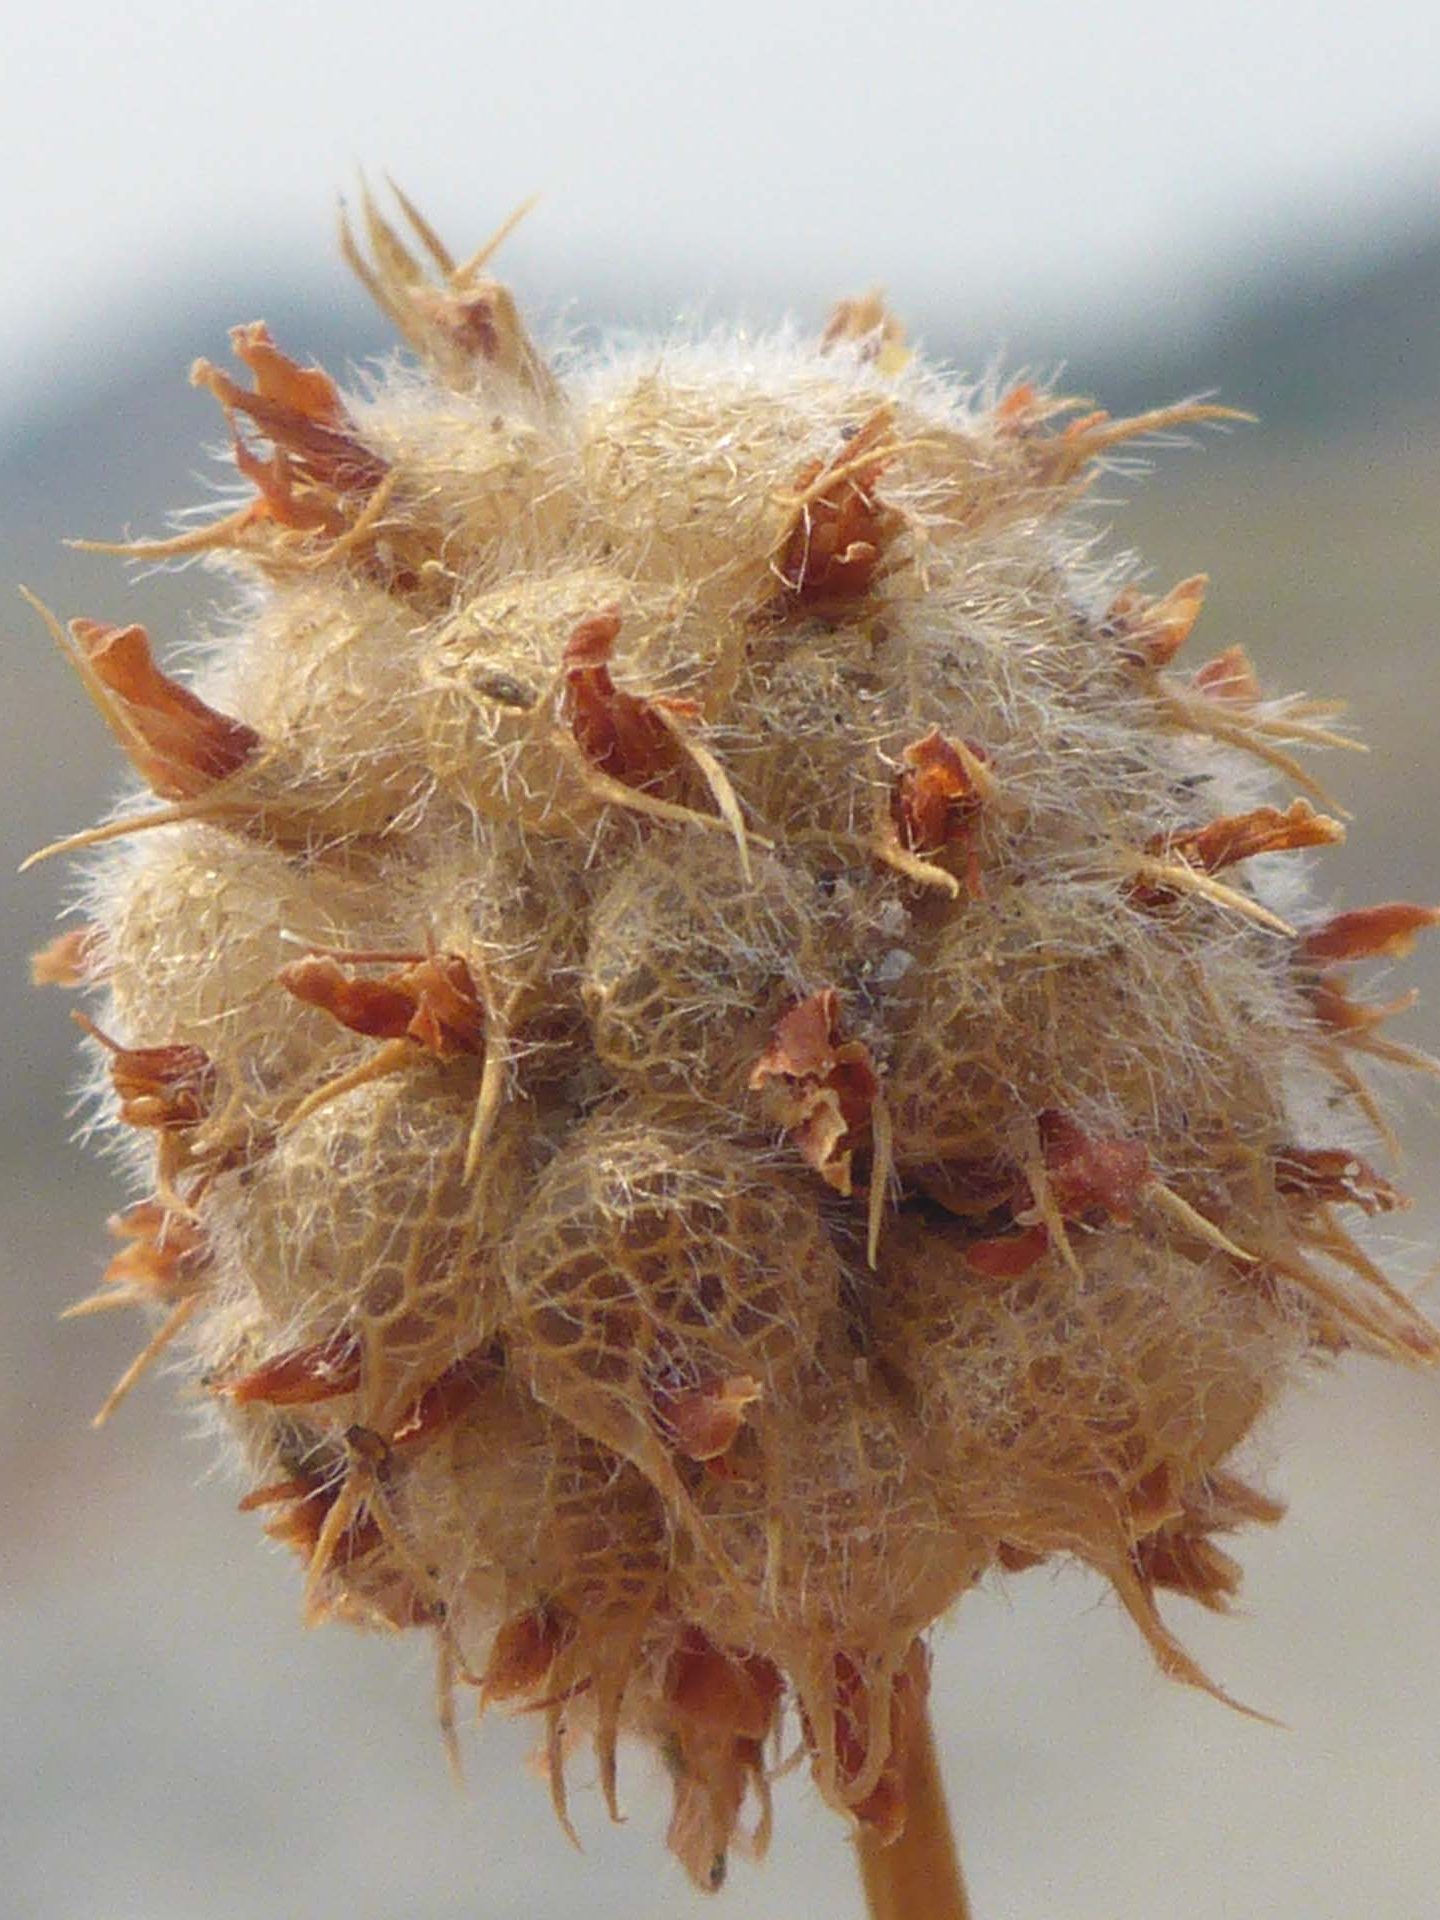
177,743
523,1652
702,1421
165,1087
322,1371
433,1001
1006,1256
883,1809
833,548
66,961
372,1007
1368,932
937,798
307,391
1328,1174
1153,631
449,1013
620,733
299,412
1181,1555
458,1390
1241,836
1090,1175
719,1707
1331,1003
819,1088
1229,676
308,1502
867,324
165,1252
735,1693
1056,460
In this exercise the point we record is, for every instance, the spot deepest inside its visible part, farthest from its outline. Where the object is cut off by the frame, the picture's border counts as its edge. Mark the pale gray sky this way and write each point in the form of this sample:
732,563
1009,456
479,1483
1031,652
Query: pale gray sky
982,157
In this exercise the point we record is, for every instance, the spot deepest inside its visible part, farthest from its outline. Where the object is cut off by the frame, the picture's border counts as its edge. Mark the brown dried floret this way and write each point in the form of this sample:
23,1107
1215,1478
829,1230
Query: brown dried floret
466,325
162,1262
939,793
1006,1256
739,1692
308,1502
1181,1554
1229,676
625,735
1175,864
936,801
1241,836
320,495
711,1774
867,324
180,746
169,1088
702,1418
66,961
1081,1178
833,548
718,1708
1152,631
449,1398
321,1371
819,1087
524,1651
1334,1007
1091,1175
1366,933
319,473
1321,1175
884,1808
431,1000
1059,459
164,1251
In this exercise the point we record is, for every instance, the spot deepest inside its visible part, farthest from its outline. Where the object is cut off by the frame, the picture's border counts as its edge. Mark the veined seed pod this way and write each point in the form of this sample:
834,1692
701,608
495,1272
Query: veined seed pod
712,1036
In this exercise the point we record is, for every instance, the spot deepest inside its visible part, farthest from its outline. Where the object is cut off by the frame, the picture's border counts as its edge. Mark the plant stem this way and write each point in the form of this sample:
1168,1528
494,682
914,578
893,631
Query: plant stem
916,1877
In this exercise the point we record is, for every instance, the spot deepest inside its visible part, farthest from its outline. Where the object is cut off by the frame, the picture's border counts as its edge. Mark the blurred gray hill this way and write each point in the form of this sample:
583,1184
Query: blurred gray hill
1329,347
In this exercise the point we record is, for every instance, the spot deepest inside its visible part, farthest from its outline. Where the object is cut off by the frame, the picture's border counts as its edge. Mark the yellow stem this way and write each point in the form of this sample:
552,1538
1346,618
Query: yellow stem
916,1877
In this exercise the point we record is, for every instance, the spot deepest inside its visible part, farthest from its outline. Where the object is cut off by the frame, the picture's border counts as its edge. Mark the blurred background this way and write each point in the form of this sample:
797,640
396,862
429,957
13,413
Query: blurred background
1164,199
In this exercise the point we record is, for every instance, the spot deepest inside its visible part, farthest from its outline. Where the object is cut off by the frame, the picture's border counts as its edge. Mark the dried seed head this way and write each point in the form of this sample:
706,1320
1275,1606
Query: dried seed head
708,1031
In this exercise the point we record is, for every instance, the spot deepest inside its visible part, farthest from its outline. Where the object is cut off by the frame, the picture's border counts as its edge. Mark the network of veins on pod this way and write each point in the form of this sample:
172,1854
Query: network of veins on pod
716,1026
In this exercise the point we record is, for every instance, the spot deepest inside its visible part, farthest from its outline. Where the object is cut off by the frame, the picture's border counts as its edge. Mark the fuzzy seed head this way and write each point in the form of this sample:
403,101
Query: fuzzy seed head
715,1035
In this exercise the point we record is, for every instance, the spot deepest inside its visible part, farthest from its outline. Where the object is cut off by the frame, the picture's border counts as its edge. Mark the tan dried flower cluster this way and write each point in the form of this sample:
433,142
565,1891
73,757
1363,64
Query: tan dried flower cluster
712,1035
